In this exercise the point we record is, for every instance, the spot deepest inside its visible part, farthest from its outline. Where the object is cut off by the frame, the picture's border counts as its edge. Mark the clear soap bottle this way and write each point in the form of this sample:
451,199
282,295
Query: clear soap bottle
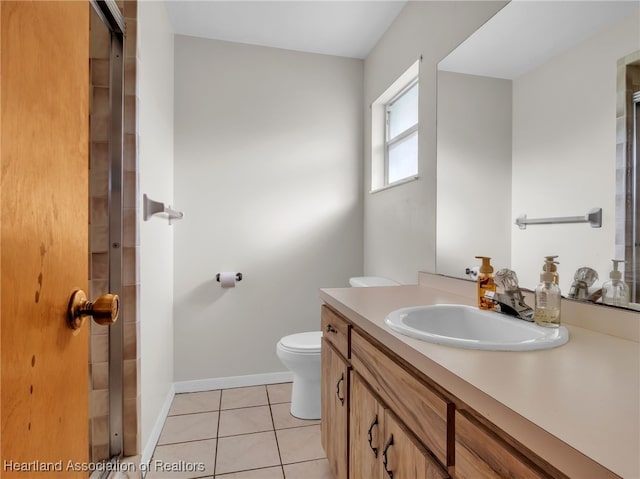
486,285
547,310
615,291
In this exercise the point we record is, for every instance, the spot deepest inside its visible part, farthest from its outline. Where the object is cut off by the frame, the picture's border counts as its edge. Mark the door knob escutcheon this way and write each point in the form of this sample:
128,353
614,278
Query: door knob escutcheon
103,310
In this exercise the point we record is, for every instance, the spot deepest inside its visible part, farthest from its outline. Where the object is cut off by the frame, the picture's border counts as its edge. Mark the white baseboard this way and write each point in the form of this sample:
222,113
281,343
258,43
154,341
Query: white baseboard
147,453
199,385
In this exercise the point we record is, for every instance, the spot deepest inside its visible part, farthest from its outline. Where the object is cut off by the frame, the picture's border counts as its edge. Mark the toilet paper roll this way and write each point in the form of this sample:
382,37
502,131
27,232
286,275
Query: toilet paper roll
228,279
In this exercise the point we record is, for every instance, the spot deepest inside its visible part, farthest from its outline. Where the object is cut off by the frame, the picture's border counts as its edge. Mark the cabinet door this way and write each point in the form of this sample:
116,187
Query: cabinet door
403,457
366,429
426,413
335,407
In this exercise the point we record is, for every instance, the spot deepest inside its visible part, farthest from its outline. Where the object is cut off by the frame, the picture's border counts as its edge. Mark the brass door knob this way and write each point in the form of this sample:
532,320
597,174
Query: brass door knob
103,310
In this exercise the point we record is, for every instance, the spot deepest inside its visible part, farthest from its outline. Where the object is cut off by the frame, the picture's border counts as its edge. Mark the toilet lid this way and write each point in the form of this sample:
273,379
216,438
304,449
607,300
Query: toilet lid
303,342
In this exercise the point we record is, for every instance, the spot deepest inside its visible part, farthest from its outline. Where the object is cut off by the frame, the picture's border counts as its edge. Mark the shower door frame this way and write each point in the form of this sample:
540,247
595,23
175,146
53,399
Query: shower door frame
110,14
635,200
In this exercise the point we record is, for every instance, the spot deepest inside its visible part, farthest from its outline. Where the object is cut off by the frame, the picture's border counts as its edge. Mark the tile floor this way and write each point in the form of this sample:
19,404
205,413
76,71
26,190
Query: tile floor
241,433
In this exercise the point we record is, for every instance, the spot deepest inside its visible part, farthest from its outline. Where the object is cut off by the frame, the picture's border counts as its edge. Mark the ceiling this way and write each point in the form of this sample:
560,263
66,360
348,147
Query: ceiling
525,34
339,27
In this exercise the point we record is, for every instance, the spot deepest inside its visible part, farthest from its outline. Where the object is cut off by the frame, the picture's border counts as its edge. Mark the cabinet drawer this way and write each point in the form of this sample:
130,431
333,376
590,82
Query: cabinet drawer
335,329
481,454
424,412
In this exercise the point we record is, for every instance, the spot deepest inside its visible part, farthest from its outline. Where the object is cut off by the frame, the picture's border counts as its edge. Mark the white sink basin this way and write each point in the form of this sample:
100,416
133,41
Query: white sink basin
468,327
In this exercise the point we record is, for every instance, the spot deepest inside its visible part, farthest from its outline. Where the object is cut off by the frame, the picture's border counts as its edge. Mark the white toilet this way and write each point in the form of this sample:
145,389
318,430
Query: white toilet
300,353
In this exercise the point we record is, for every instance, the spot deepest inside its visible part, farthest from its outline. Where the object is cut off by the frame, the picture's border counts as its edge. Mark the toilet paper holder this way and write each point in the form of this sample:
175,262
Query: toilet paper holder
238,277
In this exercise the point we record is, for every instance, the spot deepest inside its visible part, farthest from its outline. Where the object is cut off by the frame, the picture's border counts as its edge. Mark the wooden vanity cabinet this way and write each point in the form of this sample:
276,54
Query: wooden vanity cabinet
369,396
335,409
380,447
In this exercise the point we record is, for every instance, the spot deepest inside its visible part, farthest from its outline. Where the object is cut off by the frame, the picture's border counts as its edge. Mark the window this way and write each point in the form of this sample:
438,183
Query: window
401,138
394,132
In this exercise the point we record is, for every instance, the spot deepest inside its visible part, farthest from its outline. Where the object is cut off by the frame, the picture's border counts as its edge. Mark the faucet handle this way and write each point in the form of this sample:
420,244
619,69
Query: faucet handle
508,281
586,274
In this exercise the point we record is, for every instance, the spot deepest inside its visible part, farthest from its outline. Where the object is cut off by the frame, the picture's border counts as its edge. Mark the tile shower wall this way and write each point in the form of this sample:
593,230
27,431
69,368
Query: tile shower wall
131,268
100,120
99,244
628,83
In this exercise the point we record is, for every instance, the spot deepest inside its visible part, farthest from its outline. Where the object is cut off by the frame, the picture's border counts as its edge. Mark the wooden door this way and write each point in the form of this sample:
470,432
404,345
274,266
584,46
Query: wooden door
44,99
405,458
366,429
335,410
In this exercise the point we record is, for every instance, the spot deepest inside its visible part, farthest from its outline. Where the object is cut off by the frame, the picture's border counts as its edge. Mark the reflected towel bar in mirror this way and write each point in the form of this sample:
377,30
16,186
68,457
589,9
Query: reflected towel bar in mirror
593,217
151,208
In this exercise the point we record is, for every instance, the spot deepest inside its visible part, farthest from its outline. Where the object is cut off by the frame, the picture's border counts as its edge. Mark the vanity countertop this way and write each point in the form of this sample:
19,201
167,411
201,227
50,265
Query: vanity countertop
581,399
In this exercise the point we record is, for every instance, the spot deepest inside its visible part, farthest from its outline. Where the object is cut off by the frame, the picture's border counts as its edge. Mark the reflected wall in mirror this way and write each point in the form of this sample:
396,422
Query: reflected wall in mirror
531,120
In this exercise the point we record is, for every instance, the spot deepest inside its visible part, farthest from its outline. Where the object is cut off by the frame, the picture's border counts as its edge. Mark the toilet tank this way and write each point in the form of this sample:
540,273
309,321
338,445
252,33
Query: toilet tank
364,281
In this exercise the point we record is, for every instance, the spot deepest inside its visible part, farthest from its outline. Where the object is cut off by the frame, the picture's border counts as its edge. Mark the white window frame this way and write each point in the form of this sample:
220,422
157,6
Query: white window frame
379,152
389,142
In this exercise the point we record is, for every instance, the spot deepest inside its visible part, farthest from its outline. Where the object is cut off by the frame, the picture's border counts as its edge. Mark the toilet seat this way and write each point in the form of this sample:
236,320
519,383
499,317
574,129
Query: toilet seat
302,343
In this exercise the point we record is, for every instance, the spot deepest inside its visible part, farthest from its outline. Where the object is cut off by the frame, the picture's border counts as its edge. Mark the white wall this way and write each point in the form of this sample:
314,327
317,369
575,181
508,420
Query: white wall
474,172
400,223
268,168
564,155
155,127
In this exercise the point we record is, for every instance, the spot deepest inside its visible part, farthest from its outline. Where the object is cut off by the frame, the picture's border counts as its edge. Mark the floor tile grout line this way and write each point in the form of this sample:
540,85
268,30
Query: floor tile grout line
275,433
221,476
237,435
215,455
246,433
192,413
244,407
188,440
200,439
302,462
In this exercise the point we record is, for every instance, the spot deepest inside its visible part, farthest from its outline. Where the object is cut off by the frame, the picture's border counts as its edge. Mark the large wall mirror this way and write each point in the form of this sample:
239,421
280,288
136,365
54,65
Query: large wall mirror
536,118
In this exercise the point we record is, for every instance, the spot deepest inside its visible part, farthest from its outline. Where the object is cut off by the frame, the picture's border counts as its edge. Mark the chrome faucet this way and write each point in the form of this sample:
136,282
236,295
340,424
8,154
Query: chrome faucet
583,279
511,302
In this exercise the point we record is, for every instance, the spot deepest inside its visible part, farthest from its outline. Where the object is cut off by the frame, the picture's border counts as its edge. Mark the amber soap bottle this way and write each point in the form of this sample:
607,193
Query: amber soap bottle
486,285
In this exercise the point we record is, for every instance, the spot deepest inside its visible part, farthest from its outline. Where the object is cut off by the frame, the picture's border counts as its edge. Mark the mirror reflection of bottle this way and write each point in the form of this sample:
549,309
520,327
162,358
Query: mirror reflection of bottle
615,292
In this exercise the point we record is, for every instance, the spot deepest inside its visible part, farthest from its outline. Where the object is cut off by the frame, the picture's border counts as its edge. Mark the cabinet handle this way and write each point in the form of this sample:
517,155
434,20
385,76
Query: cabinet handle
338,389
331,329
370,433
385,459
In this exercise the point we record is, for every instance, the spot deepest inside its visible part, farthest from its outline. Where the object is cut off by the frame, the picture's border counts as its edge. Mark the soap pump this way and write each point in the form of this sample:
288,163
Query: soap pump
550,262
615,291
547,310
486,285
